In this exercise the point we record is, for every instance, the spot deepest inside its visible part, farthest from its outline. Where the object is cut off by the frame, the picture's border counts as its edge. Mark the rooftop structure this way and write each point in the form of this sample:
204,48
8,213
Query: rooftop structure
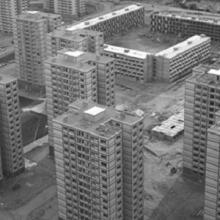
186,23
202,97
118,138
30,36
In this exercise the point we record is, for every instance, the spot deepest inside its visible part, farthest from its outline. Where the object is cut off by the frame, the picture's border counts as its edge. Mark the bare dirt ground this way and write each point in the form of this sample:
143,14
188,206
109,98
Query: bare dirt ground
142,39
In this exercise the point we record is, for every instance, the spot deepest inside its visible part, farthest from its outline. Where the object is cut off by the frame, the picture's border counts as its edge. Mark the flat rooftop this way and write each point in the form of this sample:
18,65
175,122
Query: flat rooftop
77,35
125,51
206,17
77,59
76,118
183,46
105,17
206,74
36,15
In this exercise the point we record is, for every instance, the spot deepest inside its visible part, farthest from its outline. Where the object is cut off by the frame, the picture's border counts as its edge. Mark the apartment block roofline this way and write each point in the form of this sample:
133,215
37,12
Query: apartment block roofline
125,51
183,46
105,17
33,15
206,17
75,35
66,58
76,116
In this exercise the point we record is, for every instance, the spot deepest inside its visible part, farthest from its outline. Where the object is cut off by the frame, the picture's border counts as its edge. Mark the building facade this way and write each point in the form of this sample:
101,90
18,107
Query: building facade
84,40
30,36
76,74
174,63
99,163
70,9
49,5
212,182
22,6
9,9
202,101
131,64
186,23
115,22
10,126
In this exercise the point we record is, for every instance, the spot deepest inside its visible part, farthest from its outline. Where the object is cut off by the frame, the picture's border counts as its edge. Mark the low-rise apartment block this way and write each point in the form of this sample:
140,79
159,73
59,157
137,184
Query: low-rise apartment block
132,64
10,126
115,22
84,40
177,61
76,74
212,182
186,23
70,9
202,101
99,160
30,36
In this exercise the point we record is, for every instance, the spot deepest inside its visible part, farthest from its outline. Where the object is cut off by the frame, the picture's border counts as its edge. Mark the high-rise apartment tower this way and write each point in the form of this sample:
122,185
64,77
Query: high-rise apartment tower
10,126
202,101
99,163
69,9
212,182
30,36
77,74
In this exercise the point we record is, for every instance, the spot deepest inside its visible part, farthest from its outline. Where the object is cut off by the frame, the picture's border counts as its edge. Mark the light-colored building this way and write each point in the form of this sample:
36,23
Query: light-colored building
30,37
99,163
70,9
85,40
9,9
76,74
115,22
186,23
131,64
10,126
174,63
202,101
212,182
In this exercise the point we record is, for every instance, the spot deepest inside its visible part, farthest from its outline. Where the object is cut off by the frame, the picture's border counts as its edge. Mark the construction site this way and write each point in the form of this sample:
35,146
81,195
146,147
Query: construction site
168,195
